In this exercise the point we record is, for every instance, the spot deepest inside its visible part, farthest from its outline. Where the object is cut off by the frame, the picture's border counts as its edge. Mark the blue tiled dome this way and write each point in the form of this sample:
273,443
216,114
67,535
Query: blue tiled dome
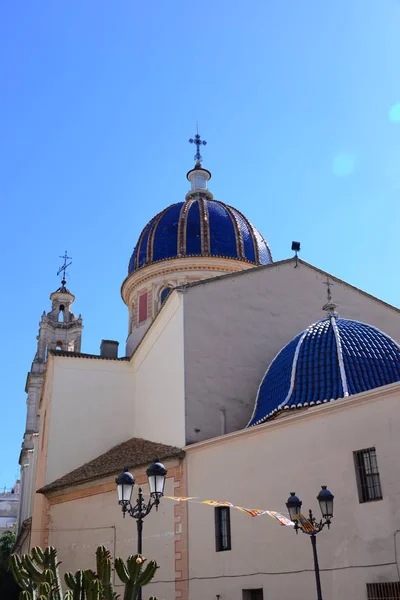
199,227
332,359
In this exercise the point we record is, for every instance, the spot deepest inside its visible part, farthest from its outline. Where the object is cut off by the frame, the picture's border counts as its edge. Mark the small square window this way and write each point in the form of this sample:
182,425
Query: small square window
222,528
383,591
255,594
368,480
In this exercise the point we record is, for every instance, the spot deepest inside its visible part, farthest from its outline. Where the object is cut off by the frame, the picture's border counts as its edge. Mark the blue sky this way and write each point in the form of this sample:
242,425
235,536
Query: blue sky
299,103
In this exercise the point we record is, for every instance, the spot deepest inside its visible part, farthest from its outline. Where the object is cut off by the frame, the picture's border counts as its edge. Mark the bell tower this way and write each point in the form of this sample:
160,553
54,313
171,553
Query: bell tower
59,329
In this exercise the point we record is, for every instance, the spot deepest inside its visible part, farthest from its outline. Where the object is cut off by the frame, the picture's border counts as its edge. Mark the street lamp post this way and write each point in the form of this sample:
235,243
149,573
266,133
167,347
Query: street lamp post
311,526
156,474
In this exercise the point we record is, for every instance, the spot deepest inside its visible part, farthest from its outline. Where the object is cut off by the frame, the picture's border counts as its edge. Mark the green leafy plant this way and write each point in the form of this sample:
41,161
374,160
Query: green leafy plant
37,574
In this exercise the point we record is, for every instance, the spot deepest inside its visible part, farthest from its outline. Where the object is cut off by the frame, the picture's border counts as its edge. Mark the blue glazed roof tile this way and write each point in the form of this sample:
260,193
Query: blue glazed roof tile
185,229
332,359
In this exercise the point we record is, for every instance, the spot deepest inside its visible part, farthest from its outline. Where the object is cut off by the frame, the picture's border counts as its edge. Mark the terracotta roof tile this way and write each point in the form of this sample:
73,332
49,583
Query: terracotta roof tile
132,453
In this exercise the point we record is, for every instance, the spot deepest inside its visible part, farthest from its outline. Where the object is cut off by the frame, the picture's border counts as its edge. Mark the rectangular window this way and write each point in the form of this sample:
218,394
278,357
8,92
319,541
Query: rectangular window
222,528
383,591
256,594
143,308
368,480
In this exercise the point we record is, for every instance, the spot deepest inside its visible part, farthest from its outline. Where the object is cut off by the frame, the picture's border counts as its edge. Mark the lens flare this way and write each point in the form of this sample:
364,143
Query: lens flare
394,113
343,165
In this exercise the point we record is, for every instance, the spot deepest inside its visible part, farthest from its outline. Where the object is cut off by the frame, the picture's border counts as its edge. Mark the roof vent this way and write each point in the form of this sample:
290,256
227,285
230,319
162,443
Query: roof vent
109,349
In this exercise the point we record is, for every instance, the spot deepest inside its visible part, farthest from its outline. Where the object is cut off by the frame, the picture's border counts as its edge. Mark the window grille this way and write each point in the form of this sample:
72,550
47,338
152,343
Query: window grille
222,528
368,480
383,591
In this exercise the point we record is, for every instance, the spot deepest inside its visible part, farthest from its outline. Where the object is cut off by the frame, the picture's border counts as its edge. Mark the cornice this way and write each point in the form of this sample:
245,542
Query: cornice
303,414
180,265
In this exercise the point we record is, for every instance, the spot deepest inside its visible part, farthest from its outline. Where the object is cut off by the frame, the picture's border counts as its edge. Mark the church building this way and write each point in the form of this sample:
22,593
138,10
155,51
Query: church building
249,379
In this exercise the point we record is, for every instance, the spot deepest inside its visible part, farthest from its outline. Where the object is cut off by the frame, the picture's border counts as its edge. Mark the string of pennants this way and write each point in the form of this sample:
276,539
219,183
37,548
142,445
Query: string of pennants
305,524
250,512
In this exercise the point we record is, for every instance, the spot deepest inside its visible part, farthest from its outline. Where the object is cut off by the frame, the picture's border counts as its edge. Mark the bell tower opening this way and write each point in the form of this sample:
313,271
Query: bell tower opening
61,313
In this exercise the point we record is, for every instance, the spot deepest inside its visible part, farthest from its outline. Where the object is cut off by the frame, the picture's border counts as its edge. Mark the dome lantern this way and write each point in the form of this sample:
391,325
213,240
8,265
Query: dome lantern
198,177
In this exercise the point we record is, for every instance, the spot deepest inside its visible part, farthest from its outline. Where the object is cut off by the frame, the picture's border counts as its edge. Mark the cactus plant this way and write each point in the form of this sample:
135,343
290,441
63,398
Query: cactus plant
38,576
132,574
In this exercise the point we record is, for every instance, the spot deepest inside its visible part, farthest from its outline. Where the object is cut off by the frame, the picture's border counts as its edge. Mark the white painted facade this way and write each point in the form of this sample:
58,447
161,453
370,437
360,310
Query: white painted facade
89,408
96,520
259,467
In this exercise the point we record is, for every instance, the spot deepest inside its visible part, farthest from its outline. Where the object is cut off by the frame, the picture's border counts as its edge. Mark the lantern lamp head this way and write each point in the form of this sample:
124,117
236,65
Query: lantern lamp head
325,499
125,482
156,474
293,505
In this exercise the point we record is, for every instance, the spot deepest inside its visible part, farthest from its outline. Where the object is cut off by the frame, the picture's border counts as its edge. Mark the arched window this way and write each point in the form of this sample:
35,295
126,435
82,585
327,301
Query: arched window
61,313
164,294
59,346
71,346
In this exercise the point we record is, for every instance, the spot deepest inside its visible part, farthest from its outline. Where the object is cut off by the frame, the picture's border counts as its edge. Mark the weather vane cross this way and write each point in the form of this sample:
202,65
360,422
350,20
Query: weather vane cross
199,142
328,284
64,267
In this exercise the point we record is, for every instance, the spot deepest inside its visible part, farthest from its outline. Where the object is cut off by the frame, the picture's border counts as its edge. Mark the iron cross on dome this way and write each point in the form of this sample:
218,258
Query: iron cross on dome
329,285
199,142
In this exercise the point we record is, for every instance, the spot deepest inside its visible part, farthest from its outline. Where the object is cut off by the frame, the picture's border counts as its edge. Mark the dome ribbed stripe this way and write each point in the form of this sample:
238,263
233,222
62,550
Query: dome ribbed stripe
150,240
334,358
253,237
193,231
204,227
181,249
142,254
238,231
340,357
293,373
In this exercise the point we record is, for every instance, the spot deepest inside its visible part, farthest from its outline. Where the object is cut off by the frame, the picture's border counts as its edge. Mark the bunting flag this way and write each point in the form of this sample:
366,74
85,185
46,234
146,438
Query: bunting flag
282,520
180,498
216,503
306,524
250,512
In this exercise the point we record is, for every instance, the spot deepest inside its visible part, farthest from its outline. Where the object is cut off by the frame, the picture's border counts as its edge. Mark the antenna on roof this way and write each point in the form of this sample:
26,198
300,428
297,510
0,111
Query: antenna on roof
296,249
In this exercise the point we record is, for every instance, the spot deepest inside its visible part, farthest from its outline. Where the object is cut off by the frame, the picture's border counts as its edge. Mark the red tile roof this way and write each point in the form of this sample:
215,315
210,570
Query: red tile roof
132,453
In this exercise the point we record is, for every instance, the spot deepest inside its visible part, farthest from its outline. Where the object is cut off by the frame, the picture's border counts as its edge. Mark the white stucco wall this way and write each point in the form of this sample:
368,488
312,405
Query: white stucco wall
158,366
258,468
91,410
79,526
235,326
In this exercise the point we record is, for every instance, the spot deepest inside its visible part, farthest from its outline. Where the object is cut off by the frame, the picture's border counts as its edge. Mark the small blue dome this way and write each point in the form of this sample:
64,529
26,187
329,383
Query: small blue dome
332,359
199,227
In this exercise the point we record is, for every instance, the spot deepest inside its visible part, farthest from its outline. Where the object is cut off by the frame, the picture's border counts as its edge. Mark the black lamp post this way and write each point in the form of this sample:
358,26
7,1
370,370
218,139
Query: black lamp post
311,527
156,474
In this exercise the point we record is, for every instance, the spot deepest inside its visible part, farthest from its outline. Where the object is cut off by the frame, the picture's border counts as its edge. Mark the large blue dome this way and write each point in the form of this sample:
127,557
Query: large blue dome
332,359
199,227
